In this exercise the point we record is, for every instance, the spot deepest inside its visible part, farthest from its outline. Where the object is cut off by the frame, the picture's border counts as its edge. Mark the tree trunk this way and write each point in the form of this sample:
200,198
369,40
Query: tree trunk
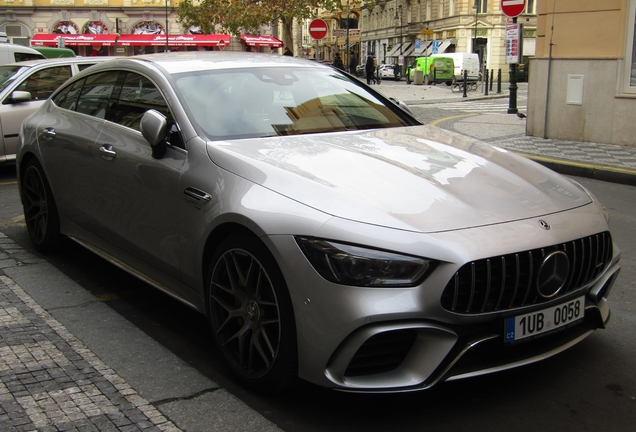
288,38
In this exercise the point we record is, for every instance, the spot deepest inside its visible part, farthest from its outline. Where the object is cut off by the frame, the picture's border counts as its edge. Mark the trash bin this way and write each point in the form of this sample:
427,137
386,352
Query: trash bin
418,78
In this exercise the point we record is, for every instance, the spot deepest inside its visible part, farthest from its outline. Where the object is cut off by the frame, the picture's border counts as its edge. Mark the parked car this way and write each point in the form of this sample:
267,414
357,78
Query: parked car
24,87
54,52
434,69
11,53
324,232
389,71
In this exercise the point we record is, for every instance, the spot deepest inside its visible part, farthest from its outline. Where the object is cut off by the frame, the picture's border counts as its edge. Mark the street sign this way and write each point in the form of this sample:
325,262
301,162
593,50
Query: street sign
318,29
435,47
418,47
427,32
513,43
513,8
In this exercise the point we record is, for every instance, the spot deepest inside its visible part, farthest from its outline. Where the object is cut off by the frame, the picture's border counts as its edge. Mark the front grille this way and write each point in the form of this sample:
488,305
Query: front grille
510,281
381,353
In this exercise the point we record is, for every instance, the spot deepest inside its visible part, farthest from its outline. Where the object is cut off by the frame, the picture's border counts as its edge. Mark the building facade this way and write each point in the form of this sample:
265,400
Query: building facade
407,29
583,80
22,20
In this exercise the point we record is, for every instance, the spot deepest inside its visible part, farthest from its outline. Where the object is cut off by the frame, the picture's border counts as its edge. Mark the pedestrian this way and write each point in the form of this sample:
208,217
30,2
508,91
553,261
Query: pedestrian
337,62
369,69
288,52
353,63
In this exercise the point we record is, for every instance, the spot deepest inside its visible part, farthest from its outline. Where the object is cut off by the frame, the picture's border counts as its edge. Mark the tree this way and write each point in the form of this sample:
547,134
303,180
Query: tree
245,16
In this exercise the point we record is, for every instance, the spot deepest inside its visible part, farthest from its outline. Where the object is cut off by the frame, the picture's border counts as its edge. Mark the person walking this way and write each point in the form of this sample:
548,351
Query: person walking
353,63
337,62
369,69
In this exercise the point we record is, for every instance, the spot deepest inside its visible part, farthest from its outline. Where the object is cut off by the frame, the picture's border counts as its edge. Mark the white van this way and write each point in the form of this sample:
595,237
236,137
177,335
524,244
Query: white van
11,53
464,61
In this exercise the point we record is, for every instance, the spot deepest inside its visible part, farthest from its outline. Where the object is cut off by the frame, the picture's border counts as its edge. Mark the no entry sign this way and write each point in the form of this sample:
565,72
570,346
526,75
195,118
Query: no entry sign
318,29
513,8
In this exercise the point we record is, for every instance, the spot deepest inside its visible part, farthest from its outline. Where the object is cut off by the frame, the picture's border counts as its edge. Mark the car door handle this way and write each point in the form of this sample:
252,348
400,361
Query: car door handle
49,133
196,197
107,152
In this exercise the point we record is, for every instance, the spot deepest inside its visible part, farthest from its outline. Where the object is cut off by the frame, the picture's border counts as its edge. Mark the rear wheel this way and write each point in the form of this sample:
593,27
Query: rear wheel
250,314
40,212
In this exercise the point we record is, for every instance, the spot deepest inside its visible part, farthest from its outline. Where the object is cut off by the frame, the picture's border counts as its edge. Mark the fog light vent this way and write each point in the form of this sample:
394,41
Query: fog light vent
381,353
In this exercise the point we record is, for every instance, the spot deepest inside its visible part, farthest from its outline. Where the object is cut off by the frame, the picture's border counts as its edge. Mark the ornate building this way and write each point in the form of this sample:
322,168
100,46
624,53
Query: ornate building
111,27
415,28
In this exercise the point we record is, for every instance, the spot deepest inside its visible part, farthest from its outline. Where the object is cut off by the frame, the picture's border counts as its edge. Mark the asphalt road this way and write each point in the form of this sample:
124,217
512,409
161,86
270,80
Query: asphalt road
589,387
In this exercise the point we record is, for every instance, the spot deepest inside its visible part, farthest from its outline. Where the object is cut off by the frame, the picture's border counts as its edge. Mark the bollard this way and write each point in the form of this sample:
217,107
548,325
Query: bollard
498,81
492,71
484,80
465,79
434,76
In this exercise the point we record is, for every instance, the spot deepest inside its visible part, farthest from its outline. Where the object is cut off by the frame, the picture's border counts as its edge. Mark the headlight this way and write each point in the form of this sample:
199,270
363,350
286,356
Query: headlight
359,266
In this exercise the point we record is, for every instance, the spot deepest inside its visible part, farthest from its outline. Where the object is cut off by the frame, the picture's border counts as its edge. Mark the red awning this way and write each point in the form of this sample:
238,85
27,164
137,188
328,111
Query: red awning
50,39
173,40
262,40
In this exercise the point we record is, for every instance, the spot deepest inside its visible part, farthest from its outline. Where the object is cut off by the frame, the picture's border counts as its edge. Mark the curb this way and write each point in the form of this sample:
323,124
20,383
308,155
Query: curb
596,172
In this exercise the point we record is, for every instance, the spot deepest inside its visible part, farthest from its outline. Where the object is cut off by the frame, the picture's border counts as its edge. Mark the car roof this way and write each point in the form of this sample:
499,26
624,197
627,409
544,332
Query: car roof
189,61
59,60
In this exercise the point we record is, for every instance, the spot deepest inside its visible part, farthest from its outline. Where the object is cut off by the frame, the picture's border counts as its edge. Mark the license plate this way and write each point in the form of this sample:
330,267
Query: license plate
542,321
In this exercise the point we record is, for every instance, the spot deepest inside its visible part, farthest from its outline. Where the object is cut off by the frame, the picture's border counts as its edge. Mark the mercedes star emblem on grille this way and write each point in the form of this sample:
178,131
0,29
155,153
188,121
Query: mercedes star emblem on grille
553,274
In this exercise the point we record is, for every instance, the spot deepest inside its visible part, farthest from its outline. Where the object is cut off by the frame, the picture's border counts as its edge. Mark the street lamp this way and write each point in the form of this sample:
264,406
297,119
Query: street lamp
476,7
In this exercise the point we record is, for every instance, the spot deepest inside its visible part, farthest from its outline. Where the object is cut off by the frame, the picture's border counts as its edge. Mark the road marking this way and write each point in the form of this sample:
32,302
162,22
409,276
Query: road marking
438,121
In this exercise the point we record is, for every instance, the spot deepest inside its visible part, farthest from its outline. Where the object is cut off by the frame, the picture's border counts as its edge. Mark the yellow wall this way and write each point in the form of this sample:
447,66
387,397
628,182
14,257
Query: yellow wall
582,28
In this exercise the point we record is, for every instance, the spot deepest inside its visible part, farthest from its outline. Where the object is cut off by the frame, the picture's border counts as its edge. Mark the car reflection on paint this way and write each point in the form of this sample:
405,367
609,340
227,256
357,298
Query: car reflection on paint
325,233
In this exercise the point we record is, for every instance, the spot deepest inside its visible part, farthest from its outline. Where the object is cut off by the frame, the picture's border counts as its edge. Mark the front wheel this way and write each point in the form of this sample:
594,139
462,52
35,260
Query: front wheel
251,315
40,211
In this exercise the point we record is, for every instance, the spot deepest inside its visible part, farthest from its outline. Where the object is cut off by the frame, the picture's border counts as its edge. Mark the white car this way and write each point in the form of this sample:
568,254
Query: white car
24,87
388,71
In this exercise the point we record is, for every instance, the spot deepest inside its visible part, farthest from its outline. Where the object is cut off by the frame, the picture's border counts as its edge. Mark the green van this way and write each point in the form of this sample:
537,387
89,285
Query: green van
443,68
51,52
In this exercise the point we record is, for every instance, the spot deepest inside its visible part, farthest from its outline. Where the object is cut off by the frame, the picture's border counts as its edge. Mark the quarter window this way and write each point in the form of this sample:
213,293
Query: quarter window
67,98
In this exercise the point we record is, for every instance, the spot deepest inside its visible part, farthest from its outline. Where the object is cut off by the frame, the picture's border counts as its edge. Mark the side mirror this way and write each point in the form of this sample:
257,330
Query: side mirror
402,105
21,96
154,128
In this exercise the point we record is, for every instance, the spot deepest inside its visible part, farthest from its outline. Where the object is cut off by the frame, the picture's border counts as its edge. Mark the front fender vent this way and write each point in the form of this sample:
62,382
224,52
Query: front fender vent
509,281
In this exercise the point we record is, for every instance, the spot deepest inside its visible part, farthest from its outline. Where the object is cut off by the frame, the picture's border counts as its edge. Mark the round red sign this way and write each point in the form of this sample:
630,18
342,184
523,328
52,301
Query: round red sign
318,28
513,8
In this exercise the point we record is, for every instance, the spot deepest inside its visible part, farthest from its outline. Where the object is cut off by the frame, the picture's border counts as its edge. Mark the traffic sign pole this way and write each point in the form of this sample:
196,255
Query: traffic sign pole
317,30
513,9
512,102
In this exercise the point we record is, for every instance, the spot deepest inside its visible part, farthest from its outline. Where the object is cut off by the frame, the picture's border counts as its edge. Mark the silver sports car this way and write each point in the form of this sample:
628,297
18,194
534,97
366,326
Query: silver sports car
325,233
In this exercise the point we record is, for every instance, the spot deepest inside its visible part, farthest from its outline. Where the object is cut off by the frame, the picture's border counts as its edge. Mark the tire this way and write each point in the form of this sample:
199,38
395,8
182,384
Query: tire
251,316
40,211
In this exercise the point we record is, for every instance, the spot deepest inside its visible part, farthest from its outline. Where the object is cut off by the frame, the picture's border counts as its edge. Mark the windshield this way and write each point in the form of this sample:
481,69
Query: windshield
258,102
8,74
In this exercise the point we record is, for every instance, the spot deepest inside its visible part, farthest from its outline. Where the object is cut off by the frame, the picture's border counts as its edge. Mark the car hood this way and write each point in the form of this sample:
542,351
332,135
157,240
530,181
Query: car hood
418,178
